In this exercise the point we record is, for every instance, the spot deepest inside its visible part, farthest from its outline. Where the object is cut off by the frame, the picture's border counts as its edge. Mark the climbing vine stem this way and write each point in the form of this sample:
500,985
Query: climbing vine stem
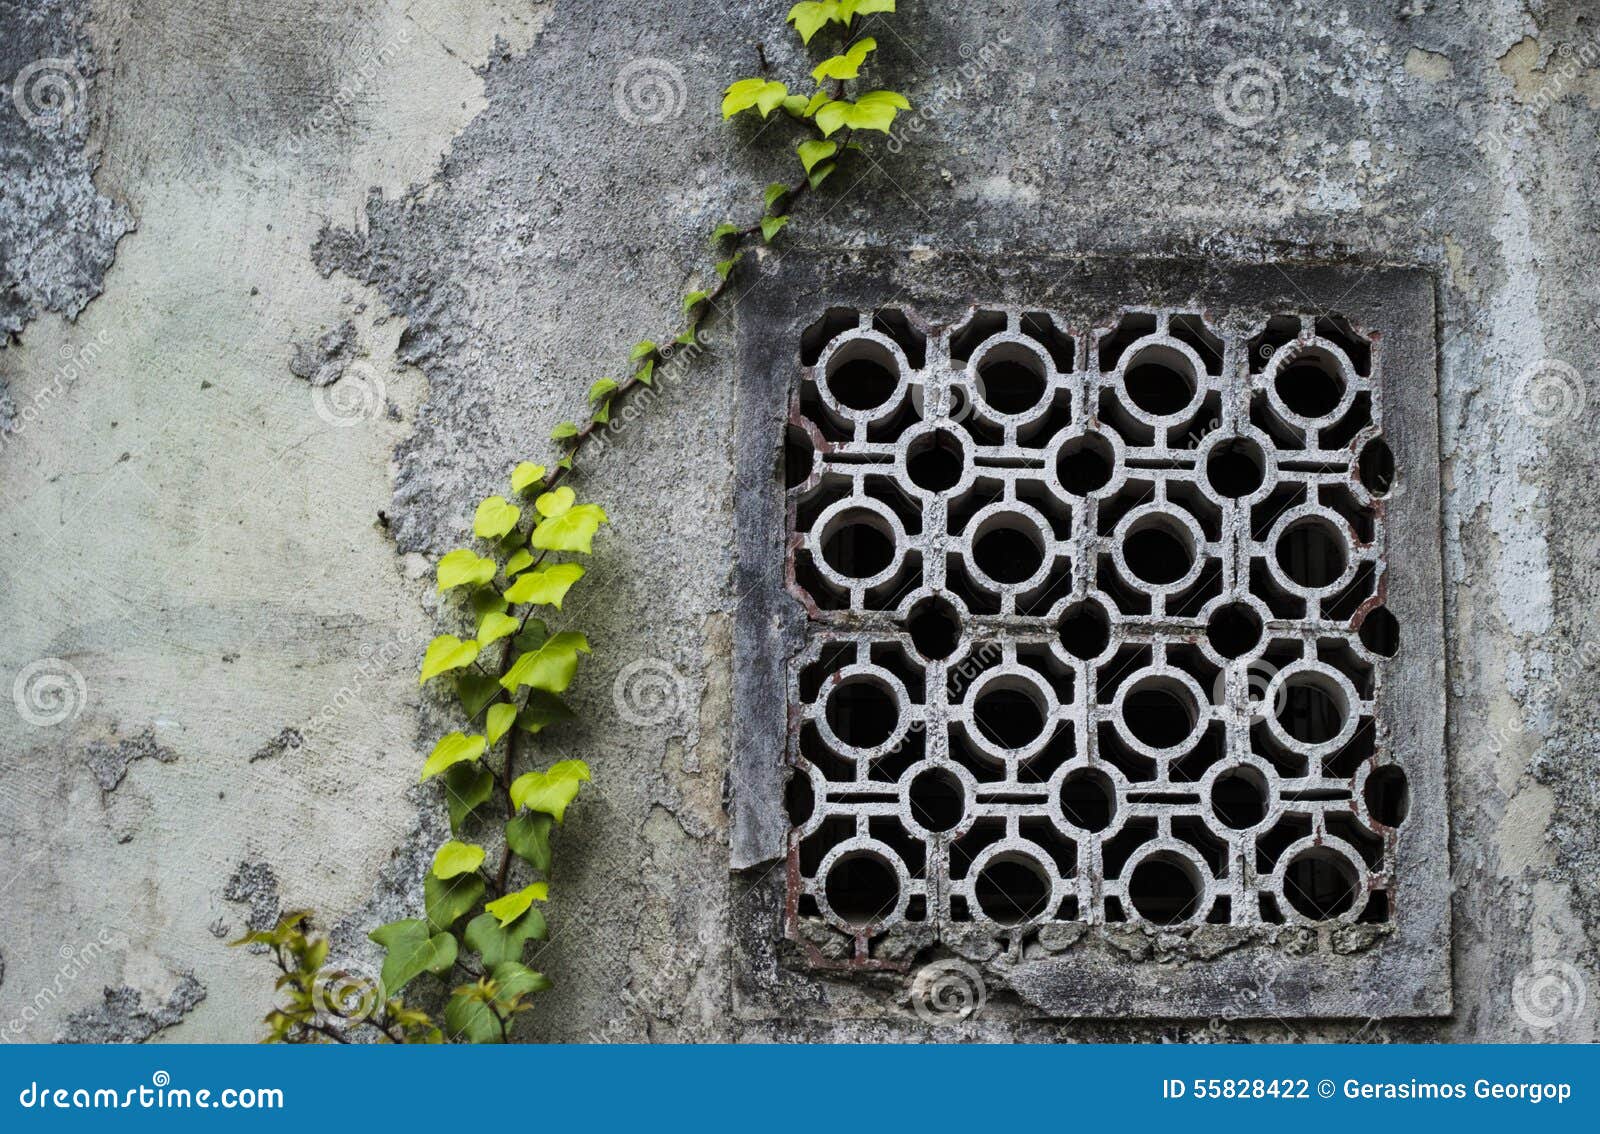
510,670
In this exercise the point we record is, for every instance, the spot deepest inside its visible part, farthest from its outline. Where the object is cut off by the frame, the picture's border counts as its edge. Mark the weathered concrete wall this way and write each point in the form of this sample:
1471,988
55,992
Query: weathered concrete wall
335,320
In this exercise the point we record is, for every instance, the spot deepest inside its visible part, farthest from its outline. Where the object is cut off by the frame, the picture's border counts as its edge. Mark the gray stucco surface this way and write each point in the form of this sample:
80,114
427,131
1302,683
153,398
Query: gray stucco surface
194,532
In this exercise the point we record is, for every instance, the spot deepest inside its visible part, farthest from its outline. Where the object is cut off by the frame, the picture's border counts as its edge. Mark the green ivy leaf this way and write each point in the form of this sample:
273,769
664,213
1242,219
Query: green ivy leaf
494,627
528,836
550,667
848,65
808,18
507,909
725,229
464,568
476,690
816,102
563,431
848,8
455,858
494,518
521,560
533,635
411,951
763,94
694,299
466,786
496,943
514,980
795,106
453,748
817,176
726,266
571,531
682,340
499,721
641,349
644,372
555,502
546,586
542,710
487,601
445,899
770,226
815,150
447,652
603,388
551,791
468,1017
525,476
774,193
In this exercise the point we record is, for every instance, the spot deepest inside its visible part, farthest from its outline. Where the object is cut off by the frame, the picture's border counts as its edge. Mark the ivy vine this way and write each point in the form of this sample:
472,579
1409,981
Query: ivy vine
510,673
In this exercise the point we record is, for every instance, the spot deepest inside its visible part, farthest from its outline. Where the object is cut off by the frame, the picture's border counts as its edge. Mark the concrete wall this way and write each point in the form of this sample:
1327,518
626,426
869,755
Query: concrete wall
270,342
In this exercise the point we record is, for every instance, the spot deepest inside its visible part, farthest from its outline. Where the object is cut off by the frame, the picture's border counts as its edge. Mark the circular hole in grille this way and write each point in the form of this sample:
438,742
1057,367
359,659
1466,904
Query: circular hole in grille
1164,890
1011,379
935,461
937,800
1011,890
1008,551
856,544
1312,553
1310,385
1007,716
1233,629
935,628
1239,797
1235,467
1085,631
1160,381
1088,799
1320,884
861,712
1157,553
862,375
1388,795
1311,712
1159,712
862,888
1085,464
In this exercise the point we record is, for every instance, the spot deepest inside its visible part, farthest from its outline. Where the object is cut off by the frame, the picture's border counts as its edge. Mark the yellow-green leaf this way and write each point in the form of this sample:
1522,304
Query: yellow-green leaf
848,65
549,667
494,627
571,531
809,17
507,909
447,652
499,720
770,227
457,858
763,94
453,748
551,791
555,502
848,8
526,475
520,560
464,568
814,151
546,586
494,518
